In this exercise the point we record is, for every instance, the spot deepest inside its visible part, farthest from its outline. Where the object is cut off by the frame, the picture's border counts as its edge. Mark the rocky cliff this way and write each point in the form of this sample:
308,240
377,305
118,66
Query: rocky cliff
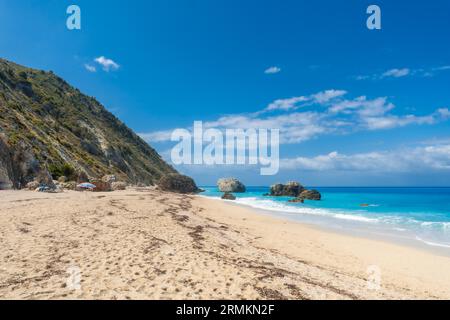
46,124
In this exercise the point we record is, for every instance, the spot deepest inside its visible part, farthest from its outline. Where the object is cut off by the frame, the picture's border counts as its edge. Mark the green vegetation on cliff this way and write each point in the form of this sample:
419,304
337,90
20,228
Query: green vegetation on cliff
47,124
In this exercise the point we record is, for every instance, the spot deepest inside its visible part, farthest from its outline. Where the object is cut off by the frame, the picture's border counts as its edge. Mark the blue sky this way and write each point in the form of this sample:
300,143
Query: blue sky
384,119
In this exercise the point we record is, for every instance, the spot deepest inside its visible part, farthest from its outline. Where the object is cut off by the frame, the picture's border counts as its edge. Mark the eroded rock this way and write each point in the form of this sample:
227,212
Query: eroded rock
178,183
229,185
291,189
310,195
228,196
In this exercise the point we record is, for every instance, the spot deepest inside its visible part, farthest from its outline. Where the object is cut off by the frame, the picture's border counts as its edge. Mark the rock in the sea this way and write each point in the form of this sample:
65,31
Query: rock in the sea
178,183
228,196
310,195
118,185
297,200
291,189
276,190
231,185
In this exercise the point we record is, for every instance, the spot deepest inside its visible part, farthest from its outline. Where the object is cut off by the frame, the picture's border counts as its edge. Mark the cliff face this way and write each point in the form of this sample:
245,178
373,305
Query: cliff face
6,172
46,124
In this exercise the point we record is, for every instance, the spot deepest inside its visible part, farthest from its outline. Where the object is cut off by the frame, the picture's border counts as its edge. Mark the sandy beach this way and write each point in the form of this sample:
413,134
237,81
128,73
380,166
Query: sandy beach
146,244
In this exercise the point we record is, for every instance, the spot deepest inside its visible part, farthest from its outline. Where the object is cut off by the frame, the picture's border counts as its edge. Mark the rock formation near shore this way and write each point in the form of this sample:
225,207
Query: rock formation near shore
310,195
178,183
291,189
6,170
228,196
231,185
295,190
46,125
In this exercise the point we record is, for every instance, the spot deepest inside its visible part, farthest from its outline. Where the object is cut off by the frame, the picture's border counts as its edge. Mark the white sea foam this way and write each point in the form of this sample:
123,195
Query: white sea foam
354,218
392,222
434,244
445,226
280,207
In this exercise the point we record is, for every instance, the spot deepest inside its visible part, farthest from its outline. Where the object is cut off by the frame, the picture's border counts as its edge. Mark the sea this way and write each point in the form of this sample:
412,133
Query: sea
417,216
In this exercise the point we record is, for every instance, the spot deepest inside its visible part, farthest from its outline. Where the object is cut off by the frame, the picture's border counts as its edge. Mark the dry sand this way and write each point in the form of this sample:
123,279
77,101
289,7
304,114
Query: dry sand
145,244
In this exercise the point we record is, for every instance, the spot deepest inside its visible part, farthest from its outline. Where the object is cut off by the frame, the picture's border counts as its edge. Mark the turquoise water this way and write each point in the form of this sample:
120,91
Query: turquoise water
418,214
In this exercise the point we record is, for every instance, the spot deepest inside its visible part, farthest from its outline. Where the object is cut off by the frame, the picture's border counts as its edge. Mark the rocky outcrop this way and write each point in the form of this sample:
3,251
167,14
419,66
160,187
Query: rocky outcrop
62,179
45,179
231,185
297,200
109,179
118,185
178,183
101,186
295,190
291,189
33,185
5,166
5,181
71,185
43,182
310,195
228,196
276,190
46,123
108,183
82,177
18,166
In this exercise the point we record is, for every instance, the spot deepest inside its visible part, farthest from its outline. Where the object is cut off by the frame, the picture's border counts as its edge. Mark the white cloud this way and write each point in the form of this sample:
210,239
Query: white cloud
435,157
444,113
396,73
90,68
442,68
363,106
404,72
326,96
272,70
375,114
389,122
362,77
332,115
294,127
158,136
286,104
107,64
293,103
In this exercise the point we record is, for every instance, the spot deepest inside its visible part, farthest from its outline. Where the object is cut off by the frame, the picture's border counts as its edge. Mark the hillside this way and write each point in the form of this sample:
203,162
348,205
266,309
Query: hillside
46,124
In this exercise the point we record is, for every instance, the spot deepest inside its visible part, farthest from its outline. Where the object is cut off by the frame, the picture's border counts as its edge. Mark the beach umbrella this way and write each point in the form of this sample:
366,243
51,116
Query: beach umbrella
86,186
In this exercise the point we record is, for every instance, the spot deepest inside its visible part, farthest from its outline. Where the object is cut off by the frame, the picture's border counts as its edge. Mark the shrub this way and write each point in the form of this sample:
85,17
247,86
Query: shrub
23,75
65,170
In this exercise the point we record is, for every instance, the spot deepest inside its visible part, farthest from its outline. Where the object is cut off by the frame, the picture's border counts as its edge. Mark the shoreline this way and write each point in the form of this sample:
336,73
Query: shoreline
148,244
393,259
353,231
